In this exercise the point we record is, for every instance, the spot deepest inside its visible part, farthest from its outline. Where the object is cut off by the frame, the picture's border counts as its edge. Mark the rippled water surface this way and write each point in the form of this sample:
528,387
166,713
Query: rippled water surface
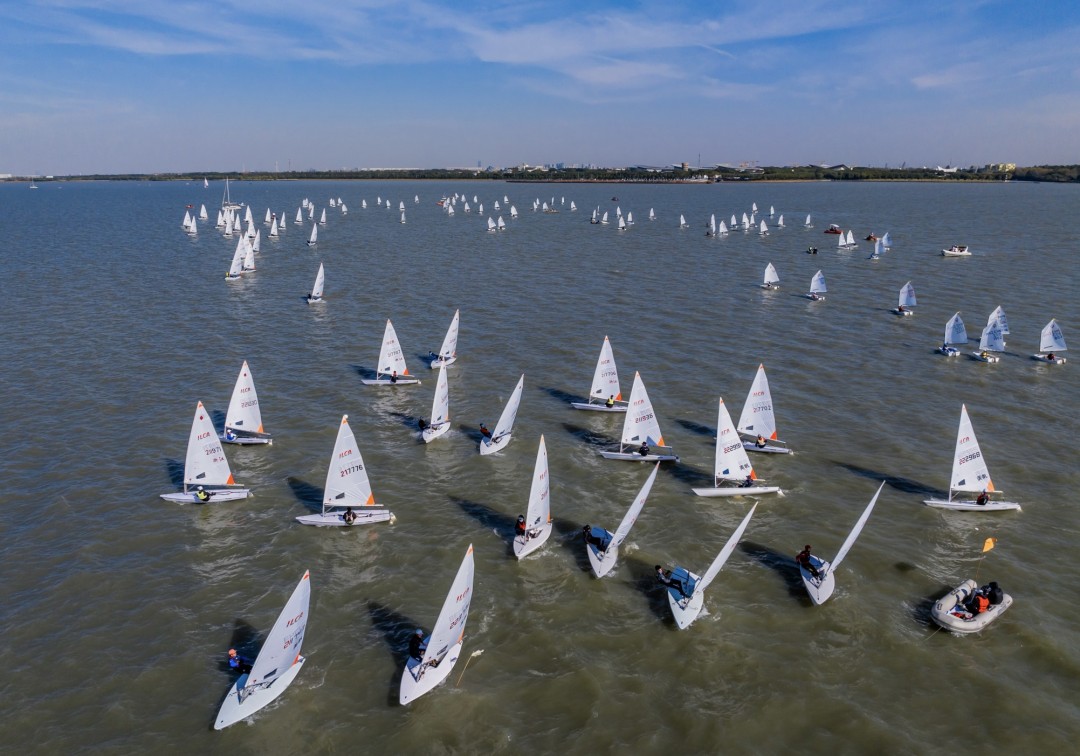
118,606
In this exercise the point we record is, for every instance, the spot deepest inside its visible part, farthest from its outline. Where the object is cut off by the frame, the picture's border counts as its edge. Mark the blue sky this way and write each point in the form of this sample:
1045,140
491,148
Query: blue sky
114,86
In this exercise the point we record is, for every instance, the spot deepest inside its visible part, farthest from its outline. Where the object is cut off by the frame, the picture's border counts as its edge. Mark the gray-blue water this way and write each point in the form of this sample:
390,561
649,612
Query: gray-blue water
118,607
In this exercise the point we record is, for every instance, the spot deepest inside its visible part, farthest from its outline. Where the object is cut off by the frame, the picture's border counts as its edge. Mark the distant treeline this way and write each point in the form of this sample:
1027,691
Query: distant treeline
1059,173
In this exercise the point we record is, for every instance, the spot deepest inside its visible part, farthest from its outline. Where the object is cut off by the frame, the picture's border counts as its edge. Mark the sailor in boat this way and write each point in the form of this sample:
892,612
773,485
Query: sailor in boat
393,377
871,237
899,308
760,443
238,663
611,399
666,579
644,449
520,529
811,250
203,495
592,538
349,517
1050,357
748,483
417,644
982,499
229,435
803,560
485,432
421,424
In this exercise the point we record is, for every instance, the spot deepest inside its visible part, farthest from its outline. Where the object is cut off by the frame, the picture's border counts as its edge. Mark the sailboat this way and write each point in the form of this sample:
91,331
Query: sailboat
641,431
808,224
1051,342
622,223
955,333
322,218
317,290
594,220
682,222
886,241
722,229
442,648
205,183
243,420
733,224
226,199
991,340
969,474
314,238
538,514
876,254
763,230
998,317
501,224
237,264
500,437
440,410
347,488
711,226
817,287
491,227
605,385
573,207
780,221
757,423
821,587
203,215
391,369
603,545
906,301
629,218
772,279
846,241
206,468
513,212
603,219
278,662
448,351
299,216
273,229
403,217
249,257
772,211
686,603
652,214
267,218
745,222
733,475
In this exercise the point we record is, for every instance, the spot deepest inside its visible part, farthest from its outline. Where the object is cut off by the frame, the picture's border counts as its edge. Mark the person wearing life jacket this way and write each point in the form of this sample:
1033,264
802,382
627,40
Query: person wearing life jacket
519,527
203,495
643,450
982,499
665,578
417,644
803,560
237,662
760,443
349,517
485,432
393,377
994,593
610,402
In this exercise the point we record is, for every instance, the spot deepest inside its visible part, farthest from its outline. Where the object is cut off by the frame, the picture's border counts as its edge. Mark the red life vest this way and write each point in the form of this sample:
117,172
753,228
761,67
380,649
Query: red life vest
982,603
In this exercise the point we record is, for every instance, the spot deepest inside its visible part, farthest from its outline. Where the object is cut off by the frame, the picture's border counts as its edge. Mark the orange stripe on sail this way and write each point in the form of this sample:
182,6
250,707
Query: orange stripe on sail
618,398
773,436
370,500
260,429
753,475
660,442
990,486
231,481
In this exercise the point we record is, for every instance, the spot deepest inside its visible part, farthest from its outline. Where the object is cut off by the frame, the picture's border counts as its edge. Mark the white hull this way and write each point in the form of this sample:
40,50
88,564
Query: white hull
233,709
618,407
941,611
439,362
685,611
336,519
189,497
242,440
737,491
1044,358
602,562
819,589
766,449
970,506
401,381
523,547
635,457
815,297
988,358
902,313
952,253
313,300
412,688
431,433
948,351
490,446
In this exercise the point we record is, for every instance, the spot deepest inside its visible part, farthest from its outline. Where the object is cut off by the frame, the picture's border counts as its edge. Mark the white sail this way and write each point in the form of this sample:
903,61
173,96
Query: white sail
403,216
448,351
1052,339
505,427
771,277
501,224
347,483
237,264
573,207
513,212
758,417
186,223
808,224
992,339
682,221
314,238
247,216
401,205
622,223
745,222
753,207
730,463
712,225
955,332
605,382
969,472
202,213
886,242
299,216
722,557
652,213
733,224
780,222
538,513
205,183
641,425
322,218
772,211
244,418
440,409
998,316
907,295
817,283
629,218
317,289
206,464
266,220
391,359
764,228
855,531
249,256
850,239
632,513
311,212
604,218
273,229
491,224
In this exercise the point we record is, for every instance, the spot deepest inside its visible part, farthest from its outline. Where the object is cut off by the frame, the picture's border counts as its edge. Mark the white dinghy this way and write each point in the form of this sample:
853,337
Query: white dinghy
206,469
992,340
998,317
771,281
733,474
821,587
348,489
955,333
950,614
906,301
757,423
641,431
817,287
448,351
440,410
237,265
500,437
956,250
682,222
391,370
442,648
538,514
243,420
605,385
808,223
970,475
686,603
603,545
316,295
313,240
1051,342
278,662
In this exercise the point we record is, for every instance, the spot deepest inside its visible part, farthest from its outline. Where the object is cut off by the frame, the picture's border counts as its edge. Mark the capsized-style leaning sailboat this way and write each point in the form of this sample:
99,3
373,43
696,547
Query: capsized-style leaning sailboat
970,475
641,431
821,586
442,648
206,469
757,423
605,385
602,547
504,429
278,662
440,410
243,420
538,514
348,488
733,474
448,351
686,595
391,370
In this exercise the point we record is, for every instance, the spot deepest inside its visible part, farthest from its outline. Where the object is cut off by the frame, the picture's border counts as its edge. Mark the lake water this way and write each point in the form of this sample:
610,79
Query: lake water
118,607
